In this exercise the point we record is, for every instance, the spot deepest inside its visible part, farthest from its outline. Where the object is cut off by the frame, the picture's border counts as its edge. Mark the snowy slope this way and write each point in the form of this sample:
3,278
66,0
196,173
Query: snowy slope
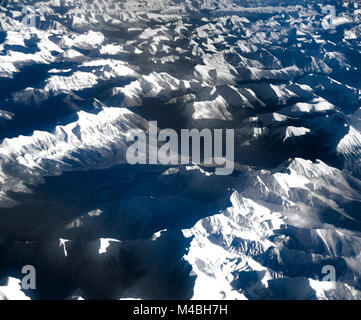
75,84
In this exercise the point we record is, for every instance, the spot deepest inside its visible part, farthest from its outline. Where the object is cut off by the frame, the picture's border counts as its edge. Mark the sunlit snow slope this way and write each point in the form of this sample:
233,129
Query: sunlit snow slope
95,227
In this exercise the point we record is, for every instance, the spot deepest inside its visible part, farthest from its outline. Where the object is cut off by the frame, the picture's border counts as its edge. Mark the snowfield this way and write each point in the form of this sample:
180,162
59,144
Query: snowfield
95,227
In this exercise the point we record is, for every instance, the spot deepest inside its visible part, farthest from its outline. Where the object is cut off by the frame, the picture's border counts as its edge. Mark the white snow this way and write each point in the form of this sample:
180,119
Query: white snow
105,243
12,290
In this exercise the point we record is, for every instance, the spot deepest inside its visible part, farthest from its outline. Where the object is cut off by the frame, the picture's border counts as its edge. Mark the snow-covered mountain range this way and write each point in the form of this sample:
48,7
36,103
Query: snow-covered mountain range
85,73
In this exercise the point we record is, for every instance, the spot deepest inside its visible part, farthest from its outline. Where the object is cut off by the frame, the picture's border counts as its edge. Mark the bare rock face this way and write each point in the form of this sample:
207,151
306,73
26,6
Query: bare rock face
76,77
